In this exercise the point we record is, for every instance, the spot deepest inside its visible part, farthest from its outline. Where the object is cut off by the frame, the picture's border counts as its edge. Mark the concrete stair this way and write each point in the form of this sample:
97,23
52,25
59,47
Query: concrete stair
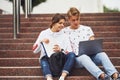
17,61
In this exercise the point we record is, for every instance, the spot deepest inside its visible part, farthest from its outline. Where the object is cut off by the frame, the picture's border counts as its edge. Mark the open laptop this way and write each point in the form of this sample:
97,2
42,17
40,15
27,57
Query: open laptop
90,47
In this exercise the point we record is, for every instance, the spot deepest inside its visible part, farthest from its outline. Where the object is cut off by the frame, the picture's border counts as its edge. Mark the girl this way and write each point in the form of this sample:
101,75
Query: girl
55,41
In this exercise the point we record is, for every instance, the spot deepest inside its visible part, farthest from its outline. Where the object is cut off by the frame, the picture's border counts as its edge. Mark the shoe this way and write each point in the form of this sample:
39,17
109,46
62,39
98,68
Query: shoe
106,78
61,78
117,78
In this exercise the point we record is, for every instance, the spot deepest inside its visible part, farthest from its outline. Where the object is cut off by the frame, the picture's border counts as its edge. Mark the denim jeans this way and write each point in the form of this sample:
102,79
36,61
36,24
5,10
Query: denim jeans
70,60
91,64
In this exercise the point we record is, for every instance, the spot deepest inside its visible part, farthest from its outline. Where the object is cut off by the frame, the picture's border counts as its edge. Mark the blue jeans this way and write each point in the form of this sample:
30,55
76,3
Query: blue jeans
91,64
70,60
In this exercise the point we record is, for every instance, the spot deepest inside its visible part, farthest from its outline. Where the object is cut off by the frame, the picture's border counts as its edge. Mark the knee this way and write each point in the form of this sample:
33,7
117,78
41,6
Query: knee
103,54
44,63
83,59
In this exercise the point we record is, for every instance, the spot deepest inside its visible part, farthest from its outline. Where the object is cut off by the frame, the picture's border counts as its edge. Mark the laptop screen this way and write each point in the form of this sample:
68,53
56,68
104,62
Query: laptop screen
90,47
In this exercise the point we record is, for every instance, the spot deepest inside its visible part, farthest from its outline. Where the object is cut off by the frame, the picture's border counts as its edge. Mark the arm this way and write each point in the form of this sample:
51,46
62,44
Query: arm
37,45
90,32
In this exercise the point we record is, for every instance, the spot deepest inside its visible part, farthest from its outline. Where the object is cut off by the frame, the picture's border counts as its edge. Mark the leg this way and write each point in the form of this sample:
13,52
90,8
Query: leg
86,62
45,68
103,59
68,65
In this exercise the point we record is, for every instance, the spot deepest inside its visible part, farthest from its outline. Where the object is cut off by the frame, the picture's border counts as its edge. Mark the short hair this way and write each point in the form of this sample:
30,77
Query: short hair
73,12
56,18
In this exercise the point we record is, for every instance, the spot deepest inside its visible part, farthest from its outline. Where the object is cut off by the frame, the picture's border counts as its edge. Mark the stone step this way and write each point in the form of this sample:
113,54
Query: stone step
42,78
97,34
32,40
100,14
34,35
21,40
49,15
82,15
82,18
36,71
28,46
41,24
39,29
17,61
29,62
30,54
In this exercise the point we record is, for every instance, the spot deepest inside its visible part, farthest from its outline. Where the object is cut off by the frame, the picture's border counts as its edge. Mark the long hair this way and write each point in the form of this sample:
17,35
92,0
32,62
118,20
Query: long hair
56,18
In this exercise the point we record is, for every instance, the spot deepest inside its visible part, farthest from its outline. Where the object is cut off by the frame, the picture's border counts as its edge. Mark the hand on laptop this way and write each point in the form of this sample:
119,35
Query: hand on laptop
92,38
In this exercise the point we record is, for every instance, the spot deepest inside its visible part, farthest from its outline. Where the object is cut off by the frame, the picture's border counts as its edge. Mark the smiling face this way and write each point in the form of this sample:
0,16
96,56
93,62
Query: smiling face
58,26
58,22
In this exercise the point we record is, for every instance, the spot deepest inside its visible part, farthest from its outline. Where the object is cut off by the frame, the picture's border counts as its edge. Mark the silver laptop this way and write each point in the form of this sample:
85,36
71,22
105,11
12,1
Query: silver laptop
90,47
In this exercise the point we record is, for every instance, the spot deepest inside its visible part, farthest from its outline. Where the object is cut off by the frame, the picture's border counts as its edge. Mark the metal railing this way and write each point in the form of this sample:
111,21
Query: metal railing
28,7
16,14
16,17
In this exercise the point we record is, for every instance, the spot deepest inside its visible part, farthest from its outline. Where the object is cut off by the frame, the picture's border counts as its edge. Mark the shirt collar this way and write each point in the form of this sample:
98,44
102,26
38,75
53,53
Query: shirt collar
54,33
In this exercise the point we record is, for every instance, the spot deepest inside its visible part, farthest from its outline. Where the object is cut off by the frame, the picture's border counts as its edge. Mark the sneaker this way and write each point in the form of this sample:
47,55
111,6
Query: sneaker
106,78
117,78
61,78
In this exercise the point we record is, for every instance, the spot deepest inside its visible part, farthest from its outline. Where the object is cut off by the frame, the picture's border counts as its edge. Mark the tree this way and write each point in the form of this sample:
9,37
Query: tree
34,3
110,10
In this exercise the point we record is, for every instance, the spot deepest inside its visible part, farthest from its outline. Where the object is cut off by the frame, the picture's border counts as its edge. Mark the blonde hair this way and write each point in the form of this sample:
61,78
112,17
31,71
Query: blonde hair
73,12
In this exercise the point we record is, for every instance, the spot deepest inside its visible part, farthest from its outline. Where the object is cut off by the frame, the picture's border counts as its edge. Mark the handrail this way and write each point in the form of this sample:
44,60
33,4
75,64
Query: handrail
28,7
14,20
16,15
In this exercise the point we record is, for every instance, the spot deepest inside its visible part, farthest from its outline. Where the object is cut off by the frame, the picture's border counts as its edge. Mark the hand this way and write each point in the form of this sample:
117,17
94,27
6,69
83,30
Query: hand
92,38
34,47
45,40
56,48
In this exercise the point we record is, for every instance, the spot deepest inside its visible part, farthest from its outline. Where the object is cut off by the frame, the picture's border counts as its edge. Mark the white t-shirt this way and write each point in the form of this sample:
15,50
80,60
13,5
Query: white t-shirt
58,38
83,33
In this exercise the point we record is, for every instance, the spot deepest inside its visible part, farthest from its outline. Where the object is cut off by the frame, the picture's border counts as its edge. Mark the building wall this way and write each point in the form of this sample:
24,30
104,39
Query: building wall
7,7
61,6
58,6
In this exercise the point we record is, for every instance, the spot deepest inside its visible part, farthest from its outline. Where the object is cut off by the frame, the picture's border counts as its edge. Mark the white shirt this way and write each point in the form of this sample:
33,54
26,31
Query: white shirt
54,38
83,33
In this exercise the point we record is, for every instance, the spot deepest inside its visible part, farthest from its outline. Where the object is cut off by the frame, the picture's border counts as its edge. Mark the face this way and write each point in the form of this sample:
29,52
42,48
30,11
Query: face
59,25
74,21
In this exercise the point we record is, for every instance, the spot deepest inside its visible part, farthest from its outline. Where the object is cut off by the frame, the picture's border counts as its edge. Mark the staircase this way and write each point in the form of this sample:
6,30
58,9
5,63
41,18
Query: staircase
17,61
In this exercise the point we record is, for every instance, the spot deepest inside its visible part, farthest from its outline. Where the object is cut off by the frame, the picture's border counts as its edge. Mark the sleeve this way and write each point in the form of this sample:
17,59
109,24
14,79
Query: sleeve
37,45
90,32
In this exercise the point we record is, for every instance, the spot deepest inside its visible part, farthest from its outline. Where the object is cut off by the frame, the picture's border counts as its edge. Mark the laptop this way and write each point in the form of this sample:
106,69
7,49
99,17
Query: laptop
90,47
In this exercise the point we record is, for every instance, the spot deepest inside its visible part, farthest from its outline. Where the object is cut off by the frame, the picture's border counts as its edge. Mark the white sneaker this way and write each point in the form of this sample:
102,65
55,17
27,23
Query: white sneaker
61,78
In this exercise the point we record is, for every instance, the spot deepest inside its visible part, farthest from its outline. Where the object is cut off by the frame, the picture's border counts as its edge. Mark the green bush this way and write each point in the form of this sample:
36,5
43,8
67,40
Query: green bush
110,10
